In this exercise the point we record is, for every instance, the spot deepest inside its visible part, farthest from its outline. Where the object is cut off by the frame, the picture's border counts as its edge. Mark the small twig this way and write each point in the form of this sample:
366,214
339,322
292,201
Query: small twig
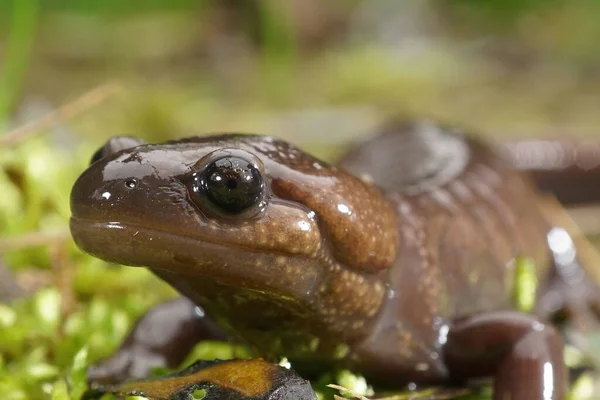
33,239
64,275
343,389
65,112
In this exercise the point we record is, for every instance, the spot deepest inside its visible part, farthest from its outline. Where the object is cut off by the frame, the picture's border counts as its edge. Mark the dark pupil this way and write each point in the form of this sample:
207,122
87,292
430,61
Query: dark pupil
232,184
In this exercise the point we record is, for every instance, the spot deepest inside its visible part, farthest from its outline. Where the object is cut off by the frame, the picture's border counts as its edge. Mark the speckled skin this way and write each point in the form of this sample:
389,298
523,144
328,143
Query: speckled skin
390,264
463,218
302,261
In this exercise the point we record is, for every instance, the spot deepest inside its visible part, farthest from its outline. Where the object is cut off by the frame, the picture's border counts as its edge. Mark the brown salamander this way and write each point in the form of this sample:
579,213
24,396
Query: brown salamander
397,263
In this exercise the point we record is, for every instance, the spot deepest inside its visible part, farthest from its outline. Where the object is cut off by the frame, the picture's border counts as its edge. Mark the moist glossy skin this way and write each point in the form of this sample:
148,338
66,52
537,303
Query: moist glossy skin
398,263
309,259
464,215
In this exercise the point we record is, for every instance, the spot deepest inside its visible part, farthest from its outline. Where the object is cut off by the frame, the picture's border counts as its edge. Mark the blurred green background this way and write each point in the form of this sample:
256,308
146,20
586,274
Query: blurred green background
511,67
317,73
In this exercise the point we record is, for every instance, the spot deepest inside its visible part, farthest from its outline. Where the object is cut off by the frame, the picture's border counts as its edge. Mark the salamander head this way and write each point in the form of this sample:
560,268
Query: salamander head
246,212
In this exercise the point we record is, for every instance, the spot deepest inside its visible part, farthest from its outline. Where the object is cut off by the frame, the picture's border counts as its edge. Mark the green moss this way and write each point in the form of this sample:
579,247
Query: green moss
525,284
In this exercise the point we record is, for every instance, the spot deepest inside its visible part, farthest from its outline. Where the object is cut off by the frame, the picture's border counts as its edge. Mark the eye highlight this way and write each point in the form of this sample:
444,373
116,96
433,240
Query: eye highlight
229,185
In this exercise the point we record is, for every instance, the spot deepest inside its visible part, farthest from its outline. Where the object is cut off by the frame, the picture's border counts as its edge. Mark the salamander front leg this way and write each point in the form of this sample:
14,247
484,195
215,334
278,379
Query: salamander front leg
522,354
161,338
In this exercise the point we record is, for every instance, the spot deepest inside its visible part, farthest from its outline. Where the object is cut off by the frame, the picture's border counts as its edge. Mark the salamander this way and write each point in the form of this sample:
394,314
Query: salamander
397,262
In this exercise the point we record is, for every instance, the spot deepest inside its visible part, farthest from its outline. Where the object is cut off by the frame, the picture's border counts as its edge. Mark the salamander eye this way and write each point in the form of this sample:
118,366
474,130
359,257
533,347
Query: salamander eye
230,184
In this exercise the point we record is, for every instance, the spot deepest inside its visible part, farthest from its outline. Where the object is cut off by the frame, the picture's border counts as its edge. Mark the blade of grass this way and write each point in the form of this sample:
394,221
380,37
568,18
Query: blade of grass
65,112
17,54
33,239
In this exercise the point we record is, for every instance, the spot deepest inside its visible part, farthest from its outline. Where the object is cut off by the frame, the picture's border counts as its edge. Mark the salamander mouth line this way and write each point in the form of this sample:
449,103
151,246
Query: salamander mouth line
149,231
132,229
